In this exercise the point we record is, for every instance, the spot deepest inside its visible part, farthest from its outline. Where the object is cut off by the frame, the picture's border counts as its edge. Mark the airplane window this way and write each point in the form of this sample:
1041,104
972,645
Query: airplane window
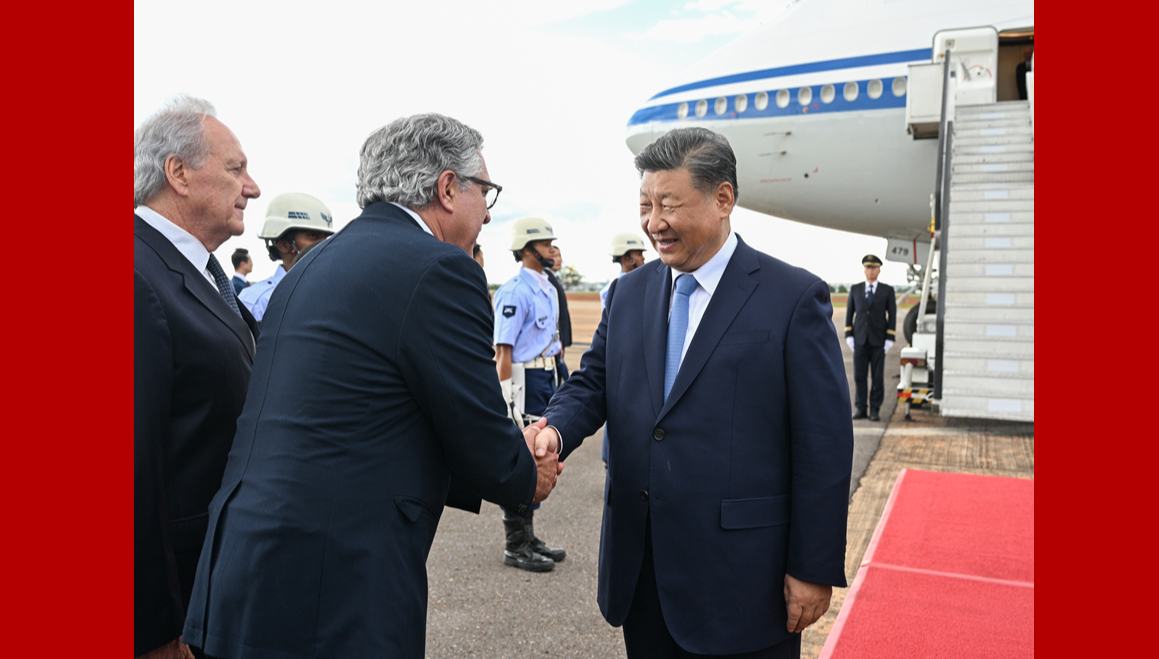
762,100
721,105
682,110
741,102
783,98
805,95
874,89
899,86
827,94
851,90
701,108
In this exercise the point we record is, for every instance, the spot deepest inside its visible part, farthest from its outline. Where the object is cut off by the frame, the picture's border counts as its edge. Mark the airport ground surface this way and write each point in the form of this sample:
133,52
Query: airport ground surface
479,607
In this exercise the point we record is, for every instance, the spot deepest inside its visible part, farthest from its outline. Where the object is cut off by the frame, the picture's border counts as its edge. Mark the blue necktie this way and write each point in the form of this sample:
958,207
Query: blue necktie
869,294
677,329
224,287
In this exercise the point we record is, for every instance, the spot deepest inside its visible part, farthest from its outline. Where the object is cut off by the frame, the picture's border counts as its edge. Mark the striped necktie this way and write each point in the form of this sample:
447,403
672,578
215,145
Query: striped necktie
224,287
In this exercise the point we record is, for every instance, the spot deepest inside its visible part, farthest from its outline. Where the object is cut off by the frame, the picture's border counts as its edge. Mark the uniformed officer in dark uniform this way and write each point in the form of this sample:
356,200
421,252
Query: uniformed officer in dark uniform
870,318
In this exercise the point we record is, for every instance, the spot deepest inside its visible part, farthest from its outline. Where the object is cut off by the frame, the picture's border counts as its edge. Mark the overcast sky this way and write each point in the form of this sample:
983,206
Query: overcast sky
551,86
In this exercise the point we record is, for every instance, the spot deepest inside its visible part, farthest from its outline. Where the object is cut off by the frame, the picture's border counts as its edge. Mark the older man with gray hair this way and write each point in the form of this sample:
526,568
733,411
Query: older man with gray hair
192,351
373,392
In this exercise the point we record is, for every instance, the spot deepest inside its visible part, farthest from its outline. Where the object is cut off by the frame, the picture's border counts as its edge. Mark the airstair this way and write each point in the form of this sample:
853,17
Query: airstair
988,326
977,352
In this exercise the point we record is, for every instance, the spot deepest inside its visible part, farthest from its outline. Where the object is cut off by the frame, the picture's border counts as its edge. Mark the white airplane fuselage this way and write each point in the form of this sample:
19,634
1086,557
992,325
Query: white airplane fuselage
813,104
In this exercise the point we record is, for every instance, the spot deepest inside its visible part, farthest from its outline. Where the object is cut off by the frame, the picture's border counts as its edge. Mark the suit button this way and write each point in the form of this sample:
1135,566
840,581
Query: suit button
643,495
658,434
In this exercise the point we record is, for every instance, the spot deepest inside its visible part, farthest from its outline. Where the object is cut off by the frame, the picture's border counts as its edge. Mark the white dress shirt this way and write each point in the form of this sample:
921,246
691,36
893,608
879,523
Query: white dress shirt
870,286
190,247
417,218
707,278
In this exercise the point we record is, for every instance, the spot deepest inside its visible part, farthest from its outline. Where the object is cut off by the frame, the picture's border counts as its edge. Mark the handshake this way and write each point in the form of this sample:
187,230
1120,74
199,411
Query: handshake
544,444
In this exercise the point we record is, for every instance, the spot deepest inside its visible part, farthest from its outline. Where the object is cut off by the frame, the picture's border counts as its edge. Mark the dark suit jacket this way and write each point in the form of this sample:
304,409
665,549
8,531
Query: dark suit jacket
564,316
871,324
191,365
239,284
373,384
744,471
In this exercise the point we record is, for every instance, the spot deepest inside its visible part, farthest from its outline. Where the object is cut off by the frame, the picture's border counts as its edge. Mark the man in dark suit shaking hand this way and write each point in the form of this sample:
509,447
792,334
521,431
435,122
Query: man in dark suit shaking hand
870,319
373,389
720,376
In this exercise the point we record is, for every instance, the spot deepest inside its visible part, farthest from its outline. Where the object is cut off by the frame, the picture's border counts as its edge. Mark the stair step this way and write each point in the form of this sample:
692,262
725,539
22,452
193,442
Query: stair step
987,386
1026,156
955,404
971,225
994,300
992,167
990,367
993,218
994,330
988,243
991,270
961,313
998,149
992,140
990,108
989,177
990,348
958,257
975,122
991,211
955,283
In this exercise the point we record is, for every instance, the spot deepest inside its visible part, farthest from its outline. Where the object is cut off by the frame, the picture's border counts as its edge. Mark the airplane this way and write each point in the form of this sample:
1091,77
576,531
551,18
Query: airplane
813,104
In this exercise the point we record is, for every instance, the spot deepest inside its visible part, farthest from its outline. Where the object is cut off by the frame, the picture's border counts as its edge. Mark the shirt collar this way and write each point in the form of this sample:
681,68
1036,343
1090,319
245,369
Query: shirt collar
417,218
709,274
278,274
540,278
872,284
189,246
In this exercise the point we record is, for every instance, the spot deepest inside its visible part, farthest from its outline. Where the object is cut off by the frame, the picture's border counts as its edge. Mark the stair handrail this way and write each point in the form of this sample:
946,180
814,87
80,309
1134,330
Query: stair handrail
941,219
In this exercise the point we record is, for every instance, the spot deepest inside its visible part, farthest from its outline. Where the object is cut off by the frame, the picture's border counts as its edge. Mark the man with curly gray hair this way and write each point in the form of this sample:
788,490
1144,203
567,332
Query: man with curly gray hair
373,403
193,346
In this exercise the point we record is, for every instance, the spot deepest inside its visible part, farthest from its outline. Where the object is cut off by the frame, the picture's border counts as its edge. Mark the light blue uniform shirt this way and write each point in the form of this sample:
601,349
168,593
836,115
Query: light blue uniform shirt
256,296
527,317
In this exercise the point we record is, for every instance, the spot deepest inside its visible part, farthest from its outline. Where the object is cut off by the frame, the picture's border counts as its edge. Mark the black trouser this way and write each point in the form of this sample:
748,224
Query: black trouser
646,635
865,358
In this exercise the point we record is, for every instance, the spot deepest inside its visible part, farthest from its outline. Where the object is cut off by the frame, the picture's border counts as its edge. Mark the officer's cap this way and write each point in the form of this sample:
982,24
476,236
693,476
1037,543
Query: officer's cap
870,259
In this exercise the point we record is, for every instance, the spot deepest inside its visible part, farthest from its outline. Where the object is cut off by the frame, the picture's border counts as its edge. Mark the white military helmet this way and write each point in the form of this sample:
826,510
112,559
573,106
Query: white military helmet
530,229
295,210
625,242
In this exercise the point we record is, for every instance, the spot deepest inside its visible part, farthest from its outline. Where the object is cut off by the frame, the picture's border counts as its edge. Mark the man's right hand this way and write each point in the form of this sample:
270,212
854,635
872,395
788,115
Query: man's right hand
849,342
174,649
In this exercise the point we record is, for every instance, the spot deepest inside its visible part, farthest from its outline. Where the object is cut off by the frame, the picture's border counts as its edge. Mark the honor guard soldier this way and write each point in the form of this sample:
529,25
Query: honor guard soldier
526,345
628,253
295,222
870,318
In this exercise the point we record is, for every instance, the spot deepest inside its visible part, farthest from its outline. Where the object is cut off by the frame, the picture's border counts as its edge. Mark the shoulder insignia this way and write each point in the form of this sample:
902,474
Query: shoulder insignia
508,310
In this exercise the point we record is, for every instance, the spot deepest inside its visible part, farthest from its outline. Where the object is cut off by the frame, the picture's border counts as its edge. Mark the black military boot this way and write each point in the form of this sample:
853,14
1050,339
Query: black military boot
519,552
538,546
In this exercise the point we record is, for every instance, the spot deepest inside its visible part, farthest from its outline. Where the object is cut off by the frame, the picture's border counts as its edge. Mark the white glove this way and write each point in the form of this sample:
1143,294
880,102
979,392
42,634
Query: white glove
888,345
513,410
849,342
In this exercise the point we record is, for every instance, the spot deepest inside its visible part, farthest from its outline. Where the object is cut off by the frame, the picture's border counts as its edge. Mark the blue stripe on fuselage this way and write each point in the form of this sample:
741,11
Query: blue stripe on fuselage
668,112
808,67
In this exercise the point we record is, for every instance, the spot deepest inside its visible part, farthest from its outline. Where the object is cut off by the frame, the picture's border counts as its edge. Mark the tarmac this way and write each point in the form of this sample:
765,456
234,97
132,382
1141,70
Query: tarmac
479,607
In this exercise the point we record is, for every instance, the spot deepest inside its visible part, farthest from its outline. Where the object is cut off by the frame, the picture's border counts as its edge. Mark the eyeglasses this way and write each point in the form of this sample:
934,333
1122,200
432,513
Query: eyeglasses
490,190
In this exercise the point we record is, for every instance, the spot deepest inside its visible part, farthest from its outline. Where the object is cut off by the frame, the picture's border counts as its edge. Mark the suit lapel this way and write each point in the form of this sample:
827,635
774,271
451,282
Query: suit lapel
655,331
197,285
734,289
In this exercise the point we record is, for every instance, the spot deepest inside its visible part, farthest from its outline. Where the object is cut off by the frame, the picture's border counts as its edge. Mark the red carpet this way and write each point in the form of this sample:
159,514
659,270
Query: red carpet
949,573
